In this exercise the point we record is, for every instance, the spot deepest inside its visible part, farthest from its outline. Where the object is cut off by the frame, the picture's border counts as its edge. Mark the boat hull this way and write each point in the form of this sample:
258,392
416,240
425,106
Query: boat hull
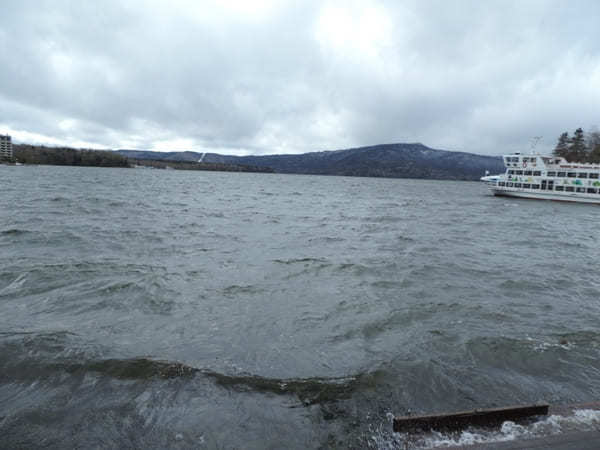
548,195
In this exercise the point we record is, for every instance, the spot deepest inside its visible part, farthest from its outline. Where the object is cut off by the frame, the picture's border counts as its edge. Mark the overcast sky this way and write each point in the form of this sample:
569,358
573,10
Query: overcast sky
266,76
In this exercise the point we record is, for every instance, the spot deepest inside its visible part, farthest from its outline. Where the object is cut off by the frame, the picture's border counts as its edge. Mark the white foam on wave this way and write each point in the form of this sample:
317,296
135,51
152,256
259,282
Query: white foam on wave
542,346
580,420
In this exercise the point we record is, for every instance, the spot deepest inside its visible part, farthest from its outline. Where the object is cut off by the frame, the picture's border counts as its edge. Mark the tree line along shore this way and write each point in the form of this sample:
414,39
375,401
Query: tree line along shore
581,147
64,156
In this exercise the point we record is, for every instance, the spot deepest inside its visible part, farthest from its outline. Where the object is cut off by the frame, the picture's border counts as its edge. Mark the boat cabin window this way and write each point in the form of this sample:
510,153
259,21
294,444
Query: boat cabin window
501,183
526,185
519,172
511,171
572,175
593,175
592,190
580,189
551,174
535,186
561,174
528,172
582,175
559,188
544,184
537,173
551,185
509,184
569,188
517,184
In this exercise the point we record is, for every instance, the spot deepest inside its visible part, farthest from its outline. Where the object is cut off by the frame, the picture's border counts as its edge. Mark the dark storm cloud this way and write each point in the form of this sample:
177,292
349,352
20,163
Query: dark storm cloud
267,76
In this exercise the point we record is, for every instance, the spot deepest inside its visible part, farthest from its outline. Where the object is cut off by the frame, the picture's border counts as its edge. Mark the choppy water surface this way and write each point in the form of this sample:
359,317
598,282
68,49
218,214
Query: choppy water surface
155,309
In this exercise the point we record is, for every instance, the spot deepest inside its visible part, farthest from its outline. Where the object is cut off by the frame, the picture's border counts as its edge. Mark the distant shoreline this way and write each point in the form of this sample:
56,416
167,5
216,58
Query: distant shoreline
185,165
403,161
64,156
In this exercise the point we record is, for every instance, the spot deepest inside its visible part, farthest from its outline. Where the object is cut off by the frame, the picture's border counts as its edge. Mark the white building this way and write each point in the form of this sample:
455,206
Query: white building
5,147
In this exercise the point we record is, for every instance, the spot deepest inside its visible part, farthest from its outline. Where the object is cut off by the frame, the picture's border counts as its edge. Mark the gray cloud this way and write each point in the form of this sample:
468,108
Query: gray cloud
262,77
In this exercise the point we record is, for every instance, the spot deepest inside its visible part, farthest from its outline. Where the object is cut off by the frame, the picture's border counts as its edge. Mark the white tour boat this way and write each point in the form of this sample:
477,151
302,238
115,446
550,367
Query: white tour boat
546,178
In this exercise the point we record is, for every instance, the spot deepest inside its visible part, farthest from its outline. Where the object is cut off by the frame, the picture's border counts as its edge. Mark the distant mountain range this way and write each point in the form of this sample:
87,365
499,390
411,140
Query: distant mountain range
388,160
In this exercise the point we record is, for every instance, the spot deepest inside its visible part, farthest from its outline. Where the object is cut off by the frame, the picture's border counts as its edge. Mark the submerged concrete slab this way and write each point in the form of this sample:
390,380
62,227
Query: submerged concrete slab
571,440
464,419
588,440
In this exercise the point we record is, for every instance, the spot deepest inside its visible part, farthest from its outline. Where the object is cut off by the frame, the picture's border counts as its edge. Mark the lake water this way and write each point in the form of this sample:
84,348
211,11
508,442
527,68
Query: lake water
155,309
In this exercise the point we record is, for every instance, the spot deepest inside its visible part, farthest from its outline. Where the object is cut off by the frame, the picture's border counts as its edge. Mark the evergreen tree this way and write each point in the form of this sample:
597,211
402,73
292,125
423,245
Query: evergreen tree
562,146
577,149
594,147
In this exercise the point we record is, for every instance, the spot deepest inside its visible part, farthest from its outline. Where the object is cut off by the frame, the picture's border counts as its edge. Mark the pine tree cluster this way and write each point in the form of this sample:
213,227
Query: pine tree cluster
581,147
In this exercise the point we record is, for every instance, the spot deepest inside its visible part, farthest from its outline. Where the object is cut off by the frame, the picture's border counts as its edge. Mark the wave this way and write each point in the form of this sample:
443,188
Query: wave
14,232
131,369
300,260
582,338
310,391
304,266
553,357
235,289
